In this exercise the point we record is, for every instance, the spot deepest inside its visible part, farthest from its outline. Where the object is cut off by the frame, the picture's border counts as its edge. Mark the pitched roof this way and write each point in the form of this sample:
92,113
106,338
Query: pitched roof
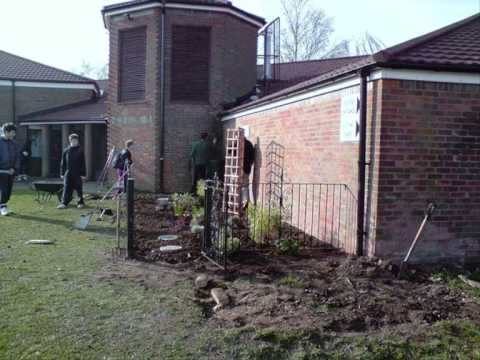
13,67
89,111
453,48
304,70
292,73
218,3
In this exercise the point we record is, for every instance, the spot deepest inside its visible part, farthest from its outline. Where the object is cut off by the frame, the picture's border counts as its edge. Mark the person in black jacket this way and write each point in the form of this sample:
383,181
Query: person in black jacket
122,164
9,165
248,161
73,172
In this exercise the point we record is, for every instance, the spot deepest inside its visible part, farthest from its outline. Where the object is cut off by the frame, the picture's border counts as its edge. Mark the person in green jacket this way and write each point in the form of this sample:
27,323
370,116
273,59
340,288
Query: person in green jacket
215,159
200,157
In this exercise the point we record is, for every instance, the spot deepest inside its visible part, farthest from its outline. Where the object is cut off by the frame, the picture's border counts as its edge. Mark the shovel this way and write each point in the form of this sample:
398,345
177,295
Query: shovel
428,214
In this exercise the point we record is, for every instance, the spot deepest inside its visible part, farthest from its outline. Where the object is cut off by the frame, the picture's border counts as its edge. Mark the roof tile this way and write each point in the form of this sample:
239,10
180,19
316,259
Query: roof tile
13,67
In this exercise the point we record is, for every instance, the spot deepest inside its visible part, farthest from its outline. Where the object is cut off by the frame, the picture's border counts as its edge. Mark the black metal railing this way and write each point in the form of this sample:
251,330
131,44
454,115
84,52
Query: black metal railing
217,233
315,215
312,215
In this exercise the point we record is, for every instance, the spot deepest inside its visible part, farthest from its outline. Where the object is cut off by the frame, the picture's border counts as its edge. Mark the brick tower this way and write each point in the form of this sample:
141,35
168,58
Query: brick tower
173,64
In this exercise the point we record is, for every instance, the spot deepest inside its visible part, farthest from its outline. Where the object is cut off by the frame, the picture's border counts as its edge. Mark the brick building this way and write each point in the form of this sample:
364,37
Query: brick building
420,102
201,52
399,128
31,93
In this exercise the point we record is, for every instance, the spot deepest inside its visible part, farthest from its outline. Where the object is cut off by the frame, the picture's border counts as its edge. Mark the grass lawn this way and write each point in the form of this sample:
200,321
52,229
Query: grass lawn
69,301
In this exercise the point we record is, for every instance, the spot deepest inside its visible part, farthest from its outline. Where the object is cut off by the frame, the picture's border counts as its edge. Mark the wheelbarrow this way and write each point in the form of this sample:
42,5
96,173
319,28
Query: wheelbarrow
45,190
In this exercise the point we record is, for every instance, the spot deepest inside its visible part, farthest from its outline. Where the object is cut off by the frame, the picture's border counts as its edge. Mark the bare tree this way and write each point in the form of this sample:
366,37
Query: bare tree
307,32
89,70
365,45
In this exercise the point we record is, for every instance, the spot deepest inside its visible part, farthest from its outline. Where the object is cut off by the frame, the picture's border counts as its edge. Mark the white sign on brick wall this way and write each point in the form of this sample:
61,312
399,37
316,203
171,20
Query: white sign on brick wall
350,118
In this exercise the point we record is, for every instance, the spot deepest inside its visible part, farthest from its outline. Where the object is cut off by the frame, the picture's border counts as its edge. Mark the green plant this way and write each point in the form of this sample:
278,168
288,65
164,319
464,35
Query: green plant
292,281
232,245
264,224
183,203
200,191
289,247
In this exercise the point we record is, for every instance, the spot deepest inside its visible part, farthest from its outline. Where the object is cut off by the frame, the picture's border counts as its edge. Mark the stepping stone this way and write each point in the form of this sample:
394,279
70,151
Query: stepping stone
39,242
197,229
163,201
168,238
170,248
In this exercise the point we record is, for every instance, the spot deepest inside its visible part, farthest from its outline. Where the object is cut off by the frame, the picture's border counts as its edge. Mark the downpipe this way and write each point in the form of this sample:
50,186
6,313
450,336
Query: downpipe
163,82
362,164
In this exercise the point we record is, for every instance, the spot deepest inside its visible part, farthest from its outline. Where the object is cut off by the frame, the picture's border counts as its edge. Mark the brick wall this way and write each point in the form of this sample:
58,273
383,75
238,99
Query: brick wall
232,74
429,151
137,120
309,132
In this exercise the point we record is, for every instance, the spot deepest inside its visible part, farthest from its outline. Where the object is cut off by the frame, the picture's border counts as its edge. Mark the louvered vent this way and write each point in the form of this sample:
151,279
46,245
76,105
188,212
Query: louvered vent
191,64
133,52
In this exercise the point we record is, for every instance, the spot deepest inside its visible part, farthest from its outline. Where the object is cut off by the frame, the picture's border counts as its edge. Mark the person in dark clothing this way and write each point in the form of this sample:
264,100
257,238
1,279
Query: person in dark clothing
73,172
199,160
215,159
248,161
122,164
9,165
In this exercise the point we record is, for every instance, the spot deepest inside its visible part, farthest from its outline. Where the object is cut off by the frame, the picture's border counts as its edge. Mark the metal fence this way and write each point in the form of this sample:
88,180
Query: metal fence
312,215
315,215
217,232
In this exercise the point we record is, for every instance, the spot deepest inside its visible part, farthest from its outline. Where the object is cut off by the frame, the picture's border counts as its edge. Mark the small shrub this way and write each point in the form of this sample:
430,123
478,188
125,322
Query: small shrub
289,247
292,281
200,191
264,224
183,203
233,245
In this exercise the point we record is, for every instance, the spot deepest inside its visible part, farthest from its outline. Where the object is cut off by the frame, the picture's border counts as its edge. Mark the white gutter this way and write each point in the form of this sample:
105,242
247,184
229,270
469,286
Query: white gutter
427,75
349,81
209,8
49,85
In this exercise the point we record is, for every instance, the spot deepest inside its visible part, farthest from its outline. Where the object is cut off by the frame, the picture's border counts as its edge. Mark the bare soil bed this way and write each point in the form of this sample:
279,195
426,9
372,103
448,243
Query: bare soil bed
335,294
151,221
324,290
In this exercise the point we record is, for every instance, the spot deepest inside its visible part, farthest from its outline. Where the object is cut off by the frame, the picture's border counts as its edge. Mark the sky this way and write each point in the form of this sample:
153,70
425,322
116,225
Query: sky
64,33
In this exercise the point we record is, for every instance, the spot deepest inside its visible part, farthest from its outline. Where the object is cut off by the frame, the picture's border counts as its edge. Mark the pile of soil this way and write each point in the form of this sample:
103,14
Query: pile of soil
335,294
151,221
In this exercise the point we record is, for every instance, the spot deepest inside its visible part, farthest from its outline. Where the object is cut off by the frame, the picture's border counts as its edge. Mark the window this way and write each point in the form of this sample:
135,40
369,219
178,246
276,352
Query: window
132,64
191,64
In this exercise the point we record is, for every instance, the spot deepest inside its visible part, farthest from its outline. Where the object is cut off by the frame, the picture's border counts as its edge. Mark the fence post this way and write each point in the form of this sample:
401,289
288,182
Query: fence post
130,218
207,233
225,227
280,232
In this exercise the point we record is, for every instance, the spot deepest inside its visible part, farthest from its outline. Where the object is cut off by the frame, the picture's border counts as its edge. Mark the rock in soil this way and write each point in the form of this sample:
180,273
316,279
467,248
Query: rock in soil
220,297
201,282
